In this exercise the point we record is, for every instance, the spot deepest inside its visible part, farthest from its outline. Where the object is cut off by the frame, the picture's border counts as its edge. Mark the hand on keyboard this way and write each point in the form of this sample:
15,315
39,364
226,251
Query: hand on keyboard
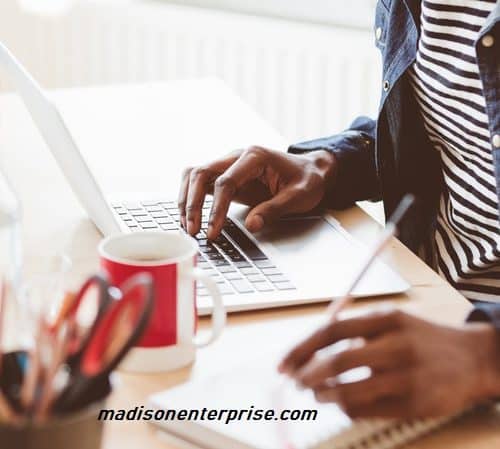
274,183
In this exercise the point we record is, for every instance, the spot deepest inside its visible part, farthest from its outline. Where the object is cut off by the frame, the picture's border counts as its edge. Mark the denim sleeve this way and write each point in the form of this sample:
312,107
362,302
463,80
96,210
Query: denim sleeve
354,150
488,313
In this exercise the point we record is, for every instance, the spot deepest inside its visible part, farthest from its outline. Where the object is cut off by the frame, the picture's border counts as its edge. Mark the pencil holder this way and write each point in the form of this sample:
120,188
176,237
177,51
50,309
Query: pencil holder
82,430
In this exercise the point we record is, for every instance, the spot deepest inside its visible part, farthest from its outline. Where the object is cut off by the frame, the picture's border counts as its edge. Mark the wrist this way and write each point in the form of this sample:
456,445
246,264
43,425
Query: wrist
485,344
326,164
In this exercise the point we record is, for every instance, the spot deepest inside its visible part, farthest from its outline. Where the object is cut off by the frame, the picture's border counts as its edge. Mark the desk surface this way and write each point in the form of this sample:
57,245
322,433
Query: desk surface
54,221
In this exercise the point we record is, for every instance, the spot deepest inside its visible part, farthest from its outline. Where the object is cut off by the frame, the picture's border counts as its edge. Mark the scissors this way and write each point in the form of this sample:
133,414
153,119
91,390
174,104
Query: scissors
72,305
117,331
61,340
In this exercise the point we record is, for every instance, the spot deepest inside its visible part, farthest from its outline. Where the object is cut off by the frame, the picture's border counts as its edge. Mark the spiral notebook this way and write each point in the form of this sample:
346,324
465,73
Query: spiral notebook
258,385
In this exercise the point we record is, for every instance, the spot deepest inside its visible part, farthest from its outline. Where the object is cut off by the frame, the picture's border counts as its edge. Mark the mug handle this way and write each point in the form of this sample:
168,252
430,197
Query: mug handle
219,312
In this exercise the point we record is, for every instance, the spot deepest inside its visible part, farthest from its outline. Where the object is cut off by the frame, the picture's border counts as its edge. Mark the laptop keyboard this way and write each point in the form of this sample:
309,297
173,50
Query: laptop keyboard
233,260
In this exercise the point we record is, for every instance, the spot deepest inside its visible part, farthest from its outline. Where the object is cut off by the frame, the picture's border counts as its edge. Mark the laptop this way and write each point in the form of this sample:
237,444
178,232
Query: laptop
298,260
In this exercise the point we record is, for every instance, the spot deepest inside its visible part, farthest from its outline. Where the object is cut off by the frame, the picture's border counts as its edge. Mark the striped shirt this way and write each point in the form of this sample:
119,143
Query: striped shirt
449,92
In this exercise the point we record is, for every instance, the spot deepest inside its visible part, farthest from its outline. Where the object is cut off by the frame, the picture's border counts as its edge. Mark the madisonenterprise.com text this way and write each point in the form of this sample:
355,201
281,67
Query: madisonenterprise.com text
140,413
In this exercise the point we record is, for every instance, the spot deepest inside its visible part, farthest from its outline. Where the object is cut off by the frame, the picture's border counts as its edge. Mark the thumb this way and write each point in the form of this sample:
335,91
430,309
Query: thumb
270,210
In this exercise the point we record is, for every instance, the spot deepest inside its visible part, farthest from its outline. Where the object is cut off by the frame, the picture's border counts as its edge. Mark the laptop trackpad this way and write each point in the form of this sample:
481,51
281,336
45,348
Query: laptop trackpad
319,254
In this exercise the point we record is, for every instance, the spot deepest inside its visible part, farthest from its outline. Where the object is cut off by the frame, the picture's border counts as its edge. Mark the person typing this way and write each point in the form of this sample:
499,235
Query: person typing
437,136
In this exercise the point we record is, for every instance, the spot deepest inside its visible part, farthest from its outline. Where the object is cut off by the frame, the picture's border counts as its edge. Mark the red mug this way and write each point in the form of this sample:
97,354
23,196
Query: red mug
169,341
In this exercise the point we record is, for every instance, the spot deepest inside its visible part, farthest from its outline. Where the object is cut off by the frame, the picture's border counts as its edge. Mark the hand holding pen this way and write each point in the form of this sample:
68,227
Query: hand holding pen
302,353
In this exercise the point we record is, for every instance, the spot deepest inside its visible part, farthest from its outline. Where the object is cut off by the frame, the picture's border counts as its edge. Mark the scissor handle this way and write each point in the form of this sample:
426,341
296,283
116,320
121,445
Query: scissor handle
104,297
75,346
73,302
93,361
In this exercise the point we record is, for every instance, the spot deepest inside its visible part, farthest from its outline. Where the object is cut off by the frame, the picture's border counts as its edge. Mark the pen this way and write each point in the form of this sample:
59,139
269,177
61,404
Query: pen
33,373
390,230
59,345
67,303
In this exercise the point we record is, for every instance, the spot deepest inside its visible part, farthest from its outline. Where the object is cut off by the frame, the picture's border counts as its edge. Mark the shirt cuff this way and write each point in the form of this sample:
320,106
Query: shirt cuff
486,313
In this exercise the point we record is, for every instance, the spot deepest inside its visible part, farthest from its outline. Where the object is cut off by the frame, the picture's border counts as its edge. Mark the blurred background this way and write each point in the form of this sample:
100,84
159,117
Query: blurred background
307,66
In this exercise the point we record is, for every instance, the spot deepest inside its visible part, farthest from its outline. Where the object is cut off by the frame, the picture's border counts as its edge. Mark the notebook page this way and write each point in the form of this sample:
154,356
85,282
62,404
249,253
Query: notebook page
258,384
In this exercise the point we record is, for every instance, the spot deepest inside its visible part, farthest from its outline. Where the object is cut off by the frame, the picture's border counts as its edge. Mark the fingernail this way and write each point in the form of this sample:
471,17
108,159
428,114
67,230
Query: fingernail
255,223
190,227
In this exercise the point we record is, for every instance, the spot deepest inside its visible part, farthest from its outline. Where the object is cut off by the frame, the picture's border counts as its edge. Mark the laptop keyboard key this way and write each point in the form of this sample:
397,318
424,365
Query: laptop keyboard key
253,278
160,215
264,263
248,270
243,241
271,271
169,227
277,279
154,209
285,286
227,269
264,287
145,219
242,286
223,242
234,276
236,257
139,213
243,264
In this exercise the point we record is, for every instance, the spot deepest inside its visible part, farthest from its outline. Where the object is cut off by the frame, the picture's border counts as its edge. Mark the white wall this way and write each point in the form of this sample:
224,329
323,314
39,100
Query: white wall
352,13
306,79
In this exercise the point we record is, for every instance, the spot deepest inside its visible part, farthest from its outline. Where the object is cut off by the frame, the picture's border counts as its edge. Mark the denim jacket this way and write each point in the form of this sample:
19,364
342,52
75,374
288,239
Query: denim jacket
386,158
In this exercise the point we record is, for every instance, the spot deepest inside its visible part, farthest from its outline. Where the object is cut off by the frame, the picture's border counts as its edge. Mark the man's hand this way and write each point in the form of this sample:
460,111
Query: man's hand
418,369
273,183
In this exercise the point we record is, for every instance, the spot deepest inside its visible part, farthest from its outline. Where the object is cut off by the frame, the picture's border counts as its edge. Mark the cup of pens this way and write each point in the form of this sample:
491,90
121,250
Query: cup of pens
54,389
